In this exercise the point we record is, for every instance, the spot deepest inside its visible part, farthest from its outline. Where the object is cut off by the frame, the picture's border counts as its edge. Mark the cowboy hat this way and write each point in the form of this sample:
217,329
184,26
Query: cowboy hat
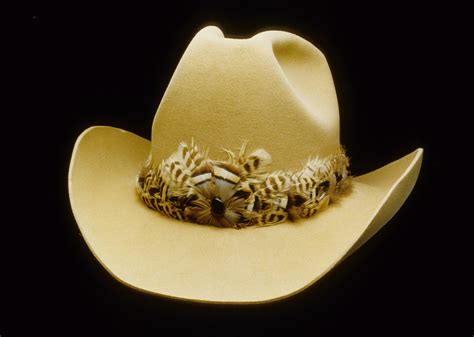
273,90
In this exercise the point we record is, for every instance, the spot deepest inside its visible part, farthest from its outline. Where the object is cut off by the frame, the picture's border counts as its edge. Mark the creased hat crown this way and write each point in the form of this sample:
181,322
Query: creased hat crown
274,90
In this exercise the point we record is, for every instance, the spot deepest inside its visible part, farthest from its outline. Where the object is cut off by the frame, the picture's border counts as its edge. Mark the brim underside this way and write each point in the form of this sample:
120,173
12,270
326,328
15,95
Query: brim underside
153,253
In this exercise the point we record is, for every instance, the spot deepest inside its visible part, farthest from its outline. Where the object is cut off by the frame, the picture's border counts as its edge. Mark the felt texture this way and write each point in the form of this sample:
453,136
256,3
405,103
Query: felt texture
274,90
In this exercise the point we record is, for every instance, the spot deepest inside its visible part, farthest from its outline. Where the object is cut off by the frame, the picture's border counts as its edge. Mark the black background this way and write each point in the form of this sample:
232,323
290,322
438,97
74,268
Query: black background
392,68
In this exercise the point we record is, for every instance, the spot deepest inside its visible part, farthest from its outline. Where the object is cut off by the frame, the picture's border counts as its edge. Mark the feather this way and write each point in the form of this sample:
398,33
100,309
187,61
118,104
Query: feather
256,162
239,192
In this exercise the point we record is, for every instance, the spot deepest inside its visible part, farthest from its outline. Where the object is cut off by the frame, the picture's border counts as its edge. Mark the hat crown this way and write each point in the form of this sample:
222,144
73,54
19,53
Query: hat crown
274,90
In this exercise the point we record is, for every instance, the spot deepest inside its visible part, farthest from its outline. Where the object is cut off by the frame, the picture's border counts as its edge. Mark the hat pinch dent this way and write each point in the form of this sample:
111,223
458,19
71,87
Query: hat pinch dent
238,192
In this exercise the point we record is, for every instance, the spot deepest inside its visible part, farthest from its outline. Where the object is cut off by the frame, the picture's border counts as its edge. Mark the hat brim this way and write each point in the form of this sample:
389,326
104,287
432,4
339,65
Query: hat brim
153,253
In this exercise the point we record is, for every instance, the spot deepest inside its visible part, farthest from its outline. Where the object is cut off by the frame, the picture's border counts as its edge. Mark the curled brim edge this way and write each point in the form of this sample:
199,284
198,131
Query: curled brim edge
155,254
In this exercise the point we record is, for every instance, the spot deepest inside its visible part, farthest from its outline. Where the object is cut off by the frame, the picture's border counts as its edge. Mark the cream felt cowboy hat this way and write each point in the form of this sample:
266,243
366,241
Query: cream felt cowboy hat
273,91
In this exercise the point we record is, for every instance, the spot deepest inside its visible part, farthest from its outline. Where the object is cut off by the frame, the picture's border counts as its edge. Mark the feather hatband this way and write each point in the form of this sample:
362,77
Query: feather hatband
238,192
